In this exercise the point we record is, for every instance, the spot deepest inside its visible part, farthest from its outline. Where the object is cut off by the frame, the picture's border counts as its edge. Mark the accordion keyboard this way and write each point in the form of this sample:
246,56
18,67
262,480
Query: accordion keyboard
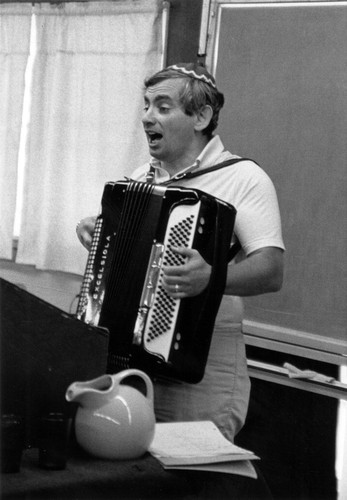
159,335
91,309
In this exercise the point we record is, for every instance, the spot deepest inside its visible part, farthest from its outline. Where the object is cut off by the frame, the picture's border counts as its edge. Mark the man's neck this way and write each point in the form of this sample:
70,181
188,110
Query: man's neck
179,164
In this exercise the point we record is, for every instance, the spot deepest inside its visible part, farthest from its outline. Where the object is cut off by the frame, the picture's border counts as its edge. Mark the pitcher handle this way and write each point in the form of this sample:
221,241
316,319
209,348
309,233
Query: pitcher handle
118,377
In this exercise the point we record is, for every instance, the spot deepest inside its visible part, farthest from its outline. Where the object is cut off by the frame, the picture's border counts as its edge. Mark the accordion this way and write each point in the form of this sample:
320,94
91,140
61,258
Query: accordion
122,288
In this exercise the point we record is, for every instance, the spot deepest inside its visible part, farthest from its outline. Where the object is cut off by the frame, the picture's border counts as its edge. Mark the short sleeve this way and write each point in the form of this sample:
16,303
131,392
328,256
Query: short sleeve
258,222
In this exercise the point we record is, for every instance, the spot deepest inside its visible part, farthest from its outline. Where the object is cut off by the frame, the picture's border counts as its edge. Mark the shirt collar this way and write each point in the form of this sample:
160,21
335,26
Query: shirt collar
208,157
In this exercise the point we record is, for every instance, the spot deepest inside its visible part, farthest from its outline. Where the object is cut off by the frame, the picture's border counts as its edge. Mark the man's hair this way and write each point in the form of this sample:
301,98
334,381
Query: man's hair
195,94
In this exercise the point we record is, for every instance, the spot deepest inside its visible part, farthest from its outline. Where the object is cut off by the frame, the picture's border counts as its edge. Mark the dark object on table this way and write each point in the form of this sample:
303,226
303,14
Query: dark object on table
43,350
53,440
12,442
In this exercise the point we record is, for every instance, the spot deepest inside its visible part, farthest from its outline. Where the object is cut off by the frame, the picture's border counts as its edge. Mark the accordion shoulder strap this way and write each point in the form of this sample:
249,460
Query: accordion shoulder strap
191,175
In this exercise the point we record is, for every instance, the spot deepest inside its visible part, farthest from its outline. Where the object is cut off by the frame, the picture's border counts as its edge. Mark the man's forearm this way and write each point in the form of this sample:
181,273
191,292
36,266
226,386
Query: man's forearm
261,272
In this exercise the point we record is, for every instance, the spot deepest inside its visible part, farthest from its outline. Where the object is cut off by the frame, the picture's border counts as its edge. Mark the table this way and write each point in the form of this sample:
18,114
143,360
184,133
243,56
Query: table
144,478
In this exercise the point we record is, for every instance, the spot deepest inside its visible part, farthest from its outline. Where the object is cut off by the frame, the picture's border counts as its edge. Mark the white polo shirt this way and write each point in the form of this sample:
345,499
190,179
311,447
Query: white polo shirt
245,186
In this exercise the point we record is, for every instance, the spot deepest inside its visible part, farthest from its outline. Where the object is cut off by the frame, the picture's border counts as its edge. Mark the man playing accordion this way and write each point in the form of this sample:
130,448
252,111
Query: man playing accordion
181,109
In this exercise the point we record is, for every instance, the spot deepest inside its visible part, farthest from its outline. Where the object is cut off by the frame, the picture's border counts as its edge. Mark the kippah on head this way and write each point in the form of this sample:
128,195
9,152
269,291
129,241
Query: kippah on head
196,71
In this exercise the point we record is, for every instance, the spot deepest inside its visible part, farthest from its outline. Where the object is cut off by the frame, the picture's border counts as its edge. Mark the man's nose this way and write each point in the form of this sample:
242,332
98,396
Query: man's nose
148,116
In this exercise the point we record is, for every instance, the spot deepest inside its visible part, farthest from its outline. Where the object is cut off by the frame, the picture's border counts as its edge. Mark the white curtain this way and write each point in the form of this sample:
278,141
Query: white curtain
14,50
86,127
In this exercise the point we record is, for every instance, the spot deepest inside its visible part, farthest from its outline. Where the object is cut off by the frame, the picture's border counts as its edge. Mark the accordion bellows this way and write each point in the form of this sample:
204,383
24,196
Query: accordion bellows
122,287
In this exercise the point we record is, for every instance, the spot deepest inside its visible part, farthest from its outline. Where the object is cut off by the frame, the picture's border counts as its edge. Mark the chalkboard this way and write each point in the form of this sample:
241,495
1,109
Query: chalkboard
283,71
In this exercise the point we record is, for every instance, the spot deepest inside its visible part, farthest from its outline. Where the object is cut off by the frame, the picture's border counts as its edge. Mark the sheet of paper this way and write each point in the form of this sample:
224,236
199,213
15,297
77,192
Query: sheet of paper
242,468
192,439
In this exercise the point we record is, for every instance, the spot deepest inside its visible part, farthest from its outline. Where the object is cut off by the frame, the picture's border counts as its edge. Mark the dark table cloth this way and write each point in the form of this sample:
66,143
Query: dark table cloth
143,478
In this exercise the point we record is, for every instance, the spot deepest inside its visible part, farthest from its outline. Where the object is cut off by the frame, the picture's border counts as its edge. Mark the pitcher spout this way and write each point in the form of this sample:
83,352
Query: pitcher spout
90,393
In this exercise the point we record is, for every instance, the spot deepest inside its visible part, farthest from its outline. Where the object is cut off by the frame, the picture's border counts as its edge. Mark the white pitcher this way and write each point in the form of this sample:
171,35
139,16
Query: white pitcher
113,420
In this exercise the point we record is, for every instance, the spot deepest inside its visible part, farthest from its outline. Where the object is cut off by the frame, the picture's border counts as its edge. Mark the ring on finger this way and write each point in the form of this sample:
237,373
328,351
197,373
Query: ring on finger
177,287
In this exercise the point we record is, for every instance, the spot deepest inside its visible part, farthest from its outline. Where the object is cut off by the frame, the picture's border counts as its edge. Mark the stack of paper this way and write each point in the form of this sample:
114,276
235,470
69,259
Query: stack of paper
199,446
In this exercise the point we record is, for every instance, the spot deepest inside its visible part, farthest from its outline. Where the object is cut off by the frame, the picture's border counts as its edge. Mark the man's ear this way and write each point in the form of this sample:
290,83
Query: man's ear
203,118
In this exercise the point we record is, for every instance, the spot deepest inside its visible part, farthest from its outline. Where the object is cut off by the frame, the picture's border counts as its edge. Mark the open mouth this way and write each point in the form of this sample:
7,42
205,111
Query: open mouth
153,138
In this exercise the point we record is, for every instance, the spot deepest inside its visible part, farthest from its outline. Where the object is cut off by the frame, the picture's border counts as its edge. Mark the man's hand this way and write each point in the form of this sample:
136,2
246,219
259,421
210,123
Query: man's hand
85,230
189,279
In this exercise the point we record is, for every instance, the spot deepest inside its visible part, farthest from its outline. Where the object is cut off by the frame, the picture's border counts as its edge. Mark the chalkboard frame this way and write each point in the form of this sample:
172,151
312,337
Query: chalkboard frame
264,315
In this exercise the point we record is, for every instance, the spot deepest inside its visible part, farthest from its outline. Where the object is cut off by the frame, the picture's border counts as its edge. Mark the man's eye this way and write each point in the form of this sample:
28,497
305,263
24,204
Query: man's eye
164,109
